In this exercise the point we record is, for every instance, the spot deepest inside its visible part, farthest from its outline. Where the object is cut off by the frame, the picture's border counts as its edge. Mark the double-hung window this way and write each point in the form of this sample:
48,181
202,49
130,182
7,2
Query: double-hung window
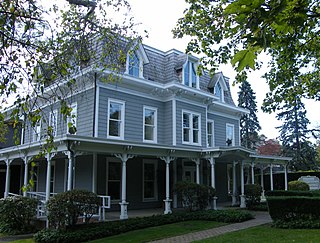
37,132
114,180
53,122
72,120
191,130
210,134
230,141
150,124
190,77
116,119
149,180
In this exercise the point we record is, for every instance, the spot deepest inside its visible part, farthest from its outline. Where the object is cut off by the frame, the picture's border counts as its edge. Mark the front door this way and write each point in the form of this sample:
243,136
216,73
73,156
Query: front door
189,173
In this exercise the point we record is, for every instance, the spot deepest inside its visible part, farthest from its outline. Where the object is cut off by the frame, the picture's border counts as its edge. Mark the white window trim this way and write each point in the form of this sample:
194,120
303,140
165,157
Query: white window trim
191,128
190,63
121,137
155,163
155,130
74,111
221,90
233,135
36,135
137,52
212,139
55,127
112,160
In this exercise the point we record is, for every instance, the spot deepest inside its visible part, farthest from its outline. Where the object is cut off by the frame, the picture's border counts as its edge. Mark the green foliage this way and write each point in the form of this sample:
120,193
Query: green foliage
83,233
193,195
65,208
253,194
282,193
241,31
290,211
16,214
298,186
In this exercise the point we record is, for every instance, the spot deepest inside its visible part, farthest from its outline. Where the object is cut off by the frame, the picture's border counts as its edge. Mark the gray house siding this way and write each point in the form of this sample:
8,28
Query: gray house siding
180,106
220,129
83,172
167,123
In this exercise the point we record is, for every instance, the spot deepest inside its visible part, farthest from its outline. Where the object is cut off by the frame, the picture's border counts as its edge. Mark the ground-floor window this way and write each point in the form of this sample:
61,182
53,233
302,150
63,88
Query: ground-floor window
149,180
114,179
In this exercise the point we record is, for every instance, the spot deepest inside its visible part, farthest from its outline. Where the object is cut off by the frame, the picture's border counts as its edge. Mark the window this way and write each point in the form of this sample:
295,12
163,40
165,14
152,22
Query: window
53,121
37,132
230,135
149,180
218,91
134,64
191,128
210,135
114,180
116,119
150,124
72,120
190,77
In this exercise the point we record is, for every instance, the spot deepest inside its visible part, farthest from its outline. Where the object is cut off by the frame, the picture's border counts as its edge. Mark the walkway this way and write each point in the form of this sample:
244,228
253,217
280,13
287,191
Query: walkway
260,218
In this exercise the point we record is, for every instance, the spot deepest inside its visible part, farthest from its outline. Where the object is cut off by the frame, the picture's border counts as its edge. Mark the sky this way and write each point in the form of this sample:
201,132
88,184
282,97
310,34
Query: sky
159,17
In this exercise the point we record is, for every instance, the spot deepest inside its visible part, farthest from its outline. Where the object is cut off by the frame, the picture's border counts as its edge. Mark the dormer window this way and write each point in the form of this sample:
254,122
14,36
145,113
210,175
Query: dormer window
134,65
190,77
136,58
218,91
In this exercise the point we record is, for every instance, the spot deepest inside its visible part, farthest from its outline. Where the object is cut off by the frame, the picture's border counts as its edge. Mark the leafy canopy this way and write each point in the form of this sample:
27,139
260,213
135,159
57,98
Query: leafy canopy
238,31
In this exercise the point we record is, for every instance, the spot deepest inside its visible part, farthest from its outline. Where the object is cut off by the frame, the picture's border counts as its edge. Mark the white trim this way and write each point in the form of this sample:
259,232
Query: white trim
36,134
233,135
96,115
191,114
122,117
155,185
174,122
212,135
220,114
191,65
155,125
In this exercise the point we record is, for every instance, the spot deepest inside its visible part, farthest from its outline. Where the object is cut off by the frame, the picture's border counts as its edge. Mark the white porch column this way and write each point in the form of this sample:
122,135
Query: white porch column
262,183
234,182
7,186
94,172
285,178
48,180
252,172
167,201
175,196
271,178
124,204
213,173
25,179
70,171
197,161
242,196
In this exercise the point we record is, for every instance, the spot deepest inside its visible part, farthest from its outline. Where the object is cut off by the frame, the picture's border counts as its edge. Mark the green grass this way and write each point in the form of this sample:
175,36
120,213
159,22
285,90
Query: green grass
266,233
160,232
23,241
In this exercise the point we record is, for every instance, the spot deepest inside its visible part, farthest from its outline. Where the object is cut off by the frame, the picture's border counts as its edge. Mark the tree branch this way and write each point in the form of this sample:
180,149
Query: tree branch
85,3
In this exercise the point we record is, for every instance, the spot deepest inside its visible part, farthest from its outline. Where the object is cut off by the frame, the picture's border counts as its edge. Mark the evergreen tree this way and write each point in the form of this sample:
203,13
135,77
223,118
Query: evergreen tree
249,123
294,135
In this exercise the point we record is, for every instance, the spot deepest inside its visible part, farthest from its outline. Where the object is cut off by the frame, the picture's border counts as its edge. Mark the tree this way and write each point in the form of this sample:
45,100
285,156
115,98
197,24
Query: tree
270,147
41,46
239,31
294,134
249,123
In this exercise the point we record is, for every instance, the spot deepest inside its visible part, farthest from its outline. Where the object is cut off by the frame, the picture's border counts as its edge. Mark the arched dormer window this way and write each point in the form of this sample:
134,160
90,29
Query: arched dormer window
218,91
190,77
218,86
136,58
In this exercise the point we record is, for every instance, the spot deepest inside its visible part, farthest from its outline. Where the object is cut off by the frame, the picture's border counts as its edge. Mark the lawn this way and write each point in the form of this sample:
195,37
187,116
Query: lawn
160,232
267,234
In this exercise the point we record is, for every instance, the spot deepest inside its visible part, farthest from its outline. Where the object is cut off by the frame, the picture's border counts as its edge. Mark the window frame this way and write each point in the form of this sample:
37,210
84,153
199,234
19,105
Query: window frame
192,68
54,126
71,119
219,86
212,133
116,161
191,128
155,125
129,56
36,135
155,181
122,120
233,134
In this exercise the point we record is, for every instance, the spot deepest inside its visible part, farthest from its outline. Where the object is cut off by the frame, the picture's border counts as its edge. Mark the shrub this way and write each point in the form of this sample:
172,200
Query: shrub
298,186
88,232
194,196
253,194
279,193
65,208
16,214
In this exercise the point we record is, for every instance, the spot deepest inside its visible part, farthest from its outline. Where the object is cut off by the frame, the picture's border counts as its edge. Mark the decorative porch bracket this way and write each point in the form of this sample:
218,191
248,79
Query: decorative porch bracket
167,201
124,204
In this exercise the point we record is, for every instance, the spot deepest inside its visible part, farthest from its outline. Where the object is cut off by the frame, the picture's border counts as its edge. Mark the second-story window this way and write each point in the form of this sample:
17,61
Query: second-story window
190,77
53,122
150,124
134,64
116,119
230,141
210,135
72,120
191,128
218,91
37,132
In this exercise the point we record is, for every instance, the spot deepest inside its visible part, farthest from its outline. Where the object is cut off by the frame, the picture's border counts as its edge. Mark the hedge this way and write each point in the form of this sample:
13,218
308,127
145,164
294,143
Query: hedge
94,231
279,193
